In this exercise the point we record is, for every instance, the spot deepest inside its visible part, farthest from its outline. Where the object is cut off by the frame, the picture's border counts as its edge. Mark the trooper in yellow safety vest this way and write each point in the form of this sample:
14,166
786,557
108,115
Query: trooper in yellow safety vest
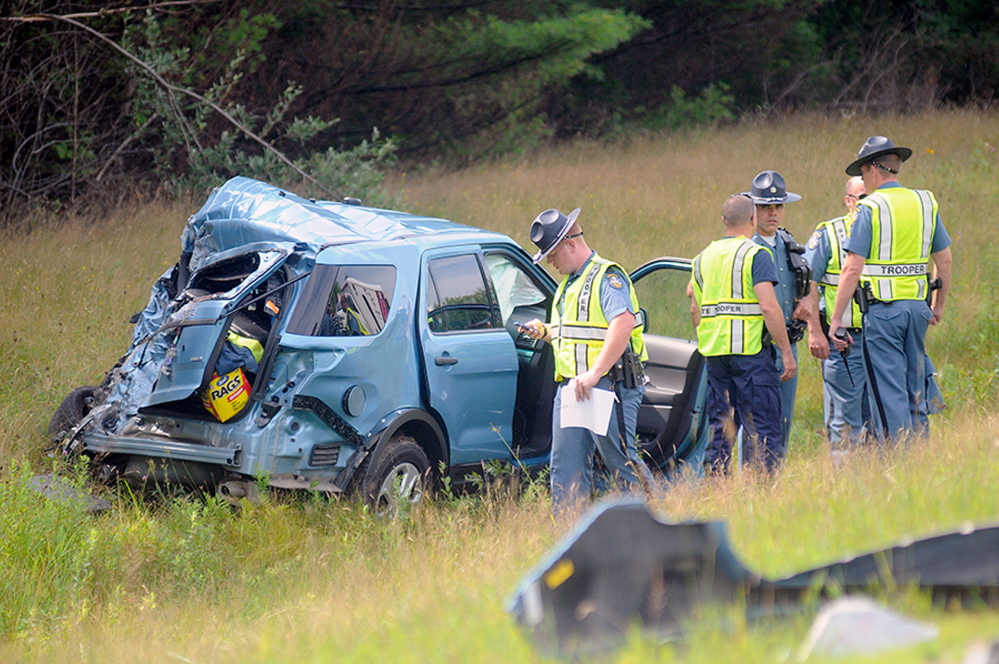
598,345
846,402
896,233
732,298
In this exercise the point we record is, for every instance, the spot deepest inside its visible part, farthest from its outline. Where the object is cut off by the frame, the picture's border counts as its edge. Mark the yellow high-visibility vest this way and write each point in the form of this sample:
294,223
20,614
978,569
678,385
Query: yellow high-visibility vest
579,330
251,344
838,230
731,315
902,225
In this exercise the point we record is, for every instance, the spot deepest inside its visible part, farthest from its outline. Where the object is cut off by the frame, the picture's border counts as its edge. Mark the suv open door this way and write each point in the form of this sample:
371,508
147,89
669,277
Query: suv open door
672,428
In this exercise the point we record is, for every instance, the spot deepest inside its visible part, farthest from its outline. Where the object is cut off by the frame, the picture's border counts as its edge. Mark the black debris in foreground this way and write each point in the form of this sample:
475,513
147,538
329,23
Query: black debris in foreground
623,566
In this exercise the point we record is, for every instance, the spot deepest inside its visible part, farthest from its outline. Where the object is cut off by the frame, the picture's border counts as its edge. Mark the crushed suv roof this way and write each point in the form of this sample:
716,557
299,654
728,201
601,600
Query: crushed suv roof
244,212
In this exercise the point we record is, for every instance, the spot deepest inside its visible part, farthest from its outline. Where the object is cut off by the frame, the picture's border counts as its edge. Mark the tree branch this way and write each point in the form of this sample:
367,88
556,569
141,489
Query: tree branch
104,11
174,88
131,137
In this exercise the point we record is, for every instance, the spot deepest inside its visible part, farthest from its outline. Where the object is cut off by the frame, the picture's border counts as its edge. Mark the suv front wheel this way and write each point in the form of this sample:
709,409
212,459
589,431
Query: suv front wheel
73,408
399,476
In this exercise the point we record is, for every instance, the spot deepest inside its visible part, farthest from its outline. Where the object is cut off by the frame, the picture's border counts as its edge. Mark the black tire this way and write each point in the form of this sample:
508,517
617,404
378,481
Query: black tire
73,408
401,472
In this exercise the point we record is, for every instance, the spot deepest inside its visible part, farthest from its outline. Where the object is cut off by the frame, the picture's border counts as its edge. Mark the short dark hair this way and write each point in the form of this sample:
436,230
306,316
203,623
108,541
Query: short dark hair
738,210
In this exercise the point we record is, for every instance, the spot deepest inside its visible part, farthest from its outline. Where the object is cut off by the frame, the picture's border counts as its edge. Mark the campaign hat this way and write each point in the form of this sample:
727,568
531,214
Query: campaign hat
549,228
874,148
769,188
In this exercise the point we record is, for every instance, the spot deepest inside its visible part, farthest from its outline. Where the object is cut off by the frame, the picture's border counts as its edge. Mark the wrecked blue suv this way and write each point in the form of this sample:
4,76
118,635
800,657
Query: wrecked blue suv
317,345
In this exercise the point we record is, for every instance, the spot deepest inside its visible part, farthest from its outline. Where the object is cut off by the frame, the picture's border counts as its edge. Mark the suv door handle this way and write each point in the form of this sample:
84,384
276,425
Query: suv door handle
445,360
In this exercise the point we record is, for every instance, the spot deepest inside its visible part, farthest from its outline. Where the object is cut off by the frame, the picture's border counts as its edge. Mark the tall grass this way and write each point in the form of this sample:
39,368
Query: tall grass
309,579
66,295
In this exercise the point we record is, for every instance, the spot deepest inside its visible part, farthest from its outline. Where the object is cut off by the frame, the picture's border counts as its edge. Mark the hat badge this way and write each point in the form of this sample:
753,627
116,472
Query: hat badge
773,189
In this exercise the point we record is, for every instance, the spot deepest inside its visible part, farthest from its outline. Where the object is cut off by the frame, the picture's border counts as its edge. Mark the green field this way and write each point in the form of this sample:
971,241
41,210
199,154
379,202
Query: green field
313,580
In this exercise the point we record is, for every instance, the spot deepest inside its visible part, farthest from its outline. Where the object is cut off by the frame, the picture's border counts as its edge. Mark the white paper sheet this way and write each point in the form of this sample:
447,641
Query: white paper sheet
593,414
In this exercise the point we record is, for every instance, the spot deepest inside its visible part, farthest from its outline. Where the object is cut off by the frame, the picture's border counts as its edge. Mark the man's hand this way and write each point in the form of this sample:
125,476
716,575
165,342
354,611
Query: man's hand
583,383
535,329
817,344
807,310
802,310
840,344
790,366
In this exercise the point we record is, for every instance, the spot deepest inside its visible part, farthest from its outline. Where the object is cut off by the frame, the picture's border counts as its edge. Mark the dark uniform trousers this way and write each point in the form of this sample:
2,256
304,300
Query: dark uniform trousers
749,385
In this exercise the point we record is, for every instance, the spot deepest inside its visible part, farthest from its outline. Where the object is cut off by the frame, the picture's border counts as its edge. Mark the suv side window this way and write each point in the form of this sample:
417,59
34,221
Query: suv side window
344,300
460,297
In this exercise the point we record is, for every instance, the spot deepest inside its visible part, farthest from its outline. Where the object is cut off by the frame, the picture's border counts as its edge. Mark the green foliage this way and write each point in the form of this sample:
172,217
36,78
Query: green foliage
445,83
198,150
495,75
356,171
160,100
243,33
974,386
712,107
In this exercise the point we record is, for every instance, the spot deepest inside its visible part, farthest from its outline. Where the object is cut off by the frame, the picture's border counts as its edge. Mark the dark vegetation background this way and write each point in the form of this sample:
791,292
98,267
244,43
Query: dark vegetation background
103,101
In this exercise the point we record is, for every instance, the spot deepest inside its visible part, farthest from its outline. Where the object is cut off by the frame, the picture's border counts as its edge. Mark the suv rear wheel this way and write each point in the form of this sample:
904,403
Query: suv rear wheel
399,476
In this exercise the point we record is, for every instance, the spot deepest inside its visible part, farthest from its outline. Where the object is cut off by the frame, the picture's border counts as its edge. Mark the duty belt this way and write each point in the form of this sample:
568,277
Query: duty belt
871,299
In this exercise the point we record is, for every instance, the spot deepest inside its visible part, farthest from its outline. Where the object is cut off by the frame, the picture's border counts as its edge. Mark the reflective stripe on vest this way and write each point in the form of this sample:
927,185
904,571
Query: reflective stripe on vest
896,270
731,315
731,309
582,332
837,231
579,330
902,225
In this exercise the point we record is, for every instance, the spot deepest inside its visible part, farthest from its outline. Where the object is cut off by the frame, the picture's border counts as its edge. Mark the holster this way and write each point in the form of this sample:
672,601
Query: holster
862,297
934,285
802,274
796,330
628,370
796,262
